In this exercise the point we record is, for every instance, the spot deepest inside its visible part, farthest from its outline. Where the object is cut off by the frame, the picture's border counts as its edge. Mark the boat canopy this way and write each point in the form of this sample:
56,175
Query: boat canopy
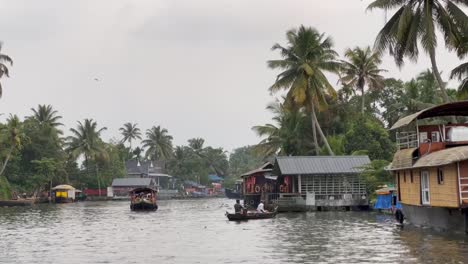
443,157
403,159
63,187
451,109
137,190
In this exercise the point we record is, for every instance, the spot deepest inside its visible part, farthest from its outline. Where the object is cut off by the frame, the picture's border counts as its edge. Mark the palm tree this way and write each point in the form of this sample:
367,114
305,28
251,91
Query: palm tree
461,73
130,132
14,135
86,140
305,58
158,143
416,21
285,136
196,144
4,60
46,115
362,69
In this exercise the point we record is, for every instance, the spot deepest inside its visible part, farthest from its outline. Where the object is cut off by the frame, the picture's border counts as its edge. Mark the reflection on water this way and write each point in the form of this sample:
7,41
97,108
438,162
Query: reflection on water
196,231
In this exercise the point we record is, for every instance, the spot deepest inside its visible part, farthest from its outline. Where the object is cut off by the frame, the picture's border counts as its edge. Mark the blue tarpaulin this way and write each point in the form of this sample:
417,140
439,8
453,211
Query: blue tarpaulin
384,201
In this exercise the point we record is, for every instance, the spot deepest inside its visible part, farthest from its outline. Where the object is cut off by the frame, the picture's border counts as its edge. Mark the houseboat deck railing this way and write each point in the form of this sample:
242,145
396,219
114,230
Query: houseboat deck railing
407,140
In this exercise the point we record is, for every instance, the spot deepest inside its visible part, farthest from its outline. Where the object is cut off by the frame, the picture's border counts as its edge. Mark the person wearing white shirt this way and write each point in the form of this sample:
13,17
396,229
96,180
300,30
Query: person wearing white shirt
260,207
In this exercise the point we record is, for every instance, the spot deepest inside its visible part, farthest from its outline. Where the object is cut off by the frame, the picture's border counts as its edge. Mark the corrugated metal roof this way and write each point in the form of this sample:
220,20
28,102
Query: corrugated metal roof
442,157
264,168
133,182
320,164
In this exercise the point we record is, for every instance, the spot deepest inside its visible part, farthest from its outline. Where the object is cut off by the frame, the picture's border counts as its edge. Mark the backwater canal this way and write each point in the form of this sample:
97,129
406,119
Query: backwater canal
196,231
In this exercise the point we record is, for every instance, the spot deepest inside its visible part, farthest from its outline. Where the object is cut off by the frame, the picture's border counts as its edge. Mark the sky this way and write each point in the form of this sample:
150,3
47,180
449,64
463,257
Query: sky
197,68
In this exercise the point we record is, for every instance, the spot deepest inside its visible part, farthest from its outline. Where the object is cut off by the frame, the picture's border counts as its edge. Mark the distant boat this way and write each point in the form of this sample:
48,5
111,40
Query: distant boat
143,199
232,194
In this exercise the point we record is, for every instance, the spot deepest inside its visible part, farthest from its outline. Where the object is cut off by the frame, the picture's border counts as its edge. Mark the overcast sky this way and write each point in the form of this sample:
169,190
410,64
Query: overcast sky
197,68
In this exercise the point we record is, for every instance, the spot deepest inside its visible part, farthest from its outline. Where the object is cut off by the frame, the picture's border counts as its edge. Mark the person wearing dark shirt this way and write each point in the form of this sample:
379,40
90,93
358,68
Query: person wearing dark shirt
238,207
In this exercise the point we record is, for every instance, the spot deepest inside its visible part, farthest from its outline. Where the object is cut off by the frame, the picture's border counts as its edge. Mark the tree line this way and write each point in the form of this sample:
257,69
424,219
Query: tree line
311,117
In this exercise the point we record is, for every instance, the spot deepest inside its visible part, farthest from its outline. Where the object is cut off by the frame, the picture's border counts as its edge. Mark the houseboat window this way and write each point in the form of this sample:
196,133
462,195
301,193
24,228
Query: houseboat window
435,136
423,137
411,176
404,176
440,176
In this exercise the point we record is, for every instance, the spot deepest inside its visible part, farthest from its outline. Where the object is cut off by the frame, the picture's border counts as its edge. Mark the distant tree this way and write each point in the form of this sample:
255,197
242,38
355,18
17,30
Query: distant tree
304,60
416,21
367,134
86,140
13,137
461,73
4,60
130,132
46,115
158,143
242,160
361,70
287,135
375,175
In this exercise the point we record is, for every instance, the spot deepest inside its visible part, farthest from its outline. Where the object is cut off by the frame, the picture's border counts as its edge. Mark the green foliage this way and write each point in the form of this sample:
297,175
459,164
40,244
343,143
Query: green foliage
158,143
374,175
242,160
5,189
367,134
4,60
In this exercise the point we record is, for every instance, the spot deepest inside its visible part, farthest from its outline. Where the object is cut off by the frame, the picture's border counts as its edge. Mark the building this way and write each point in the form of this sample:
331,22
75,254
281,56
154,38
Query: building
431,167
319,183
258,184
122,186
147,169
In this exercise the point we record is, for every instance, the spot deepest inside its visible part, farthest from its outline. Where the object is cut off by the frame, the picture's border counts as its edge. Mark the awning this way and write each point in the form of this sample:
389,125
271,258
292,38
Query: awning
63,187
402,159
443,157
459,108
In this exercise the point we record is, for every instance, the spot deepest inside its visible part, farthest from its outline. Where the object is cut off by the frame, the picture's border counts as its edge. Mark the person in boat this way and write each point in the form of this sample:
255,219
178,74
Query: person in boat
238,208
261,207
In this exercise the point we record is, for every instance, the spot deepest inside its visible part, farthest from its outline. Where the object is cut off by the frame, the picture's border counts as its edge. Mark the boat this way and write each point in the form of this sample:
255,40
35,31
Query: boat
63,193
250,215
143,199
232,194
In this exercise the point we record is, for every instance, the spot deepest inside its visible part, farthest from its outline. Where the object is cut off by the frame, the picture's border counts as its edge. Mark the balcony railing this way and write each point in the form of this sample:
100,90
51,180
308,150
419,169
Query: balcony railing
407,140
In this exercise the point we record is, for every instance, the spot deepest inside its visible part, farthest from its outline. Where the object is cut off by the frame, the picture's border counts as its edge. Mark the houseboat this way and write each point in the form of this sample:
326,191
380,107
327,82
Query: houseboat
258,184
431,167
143,199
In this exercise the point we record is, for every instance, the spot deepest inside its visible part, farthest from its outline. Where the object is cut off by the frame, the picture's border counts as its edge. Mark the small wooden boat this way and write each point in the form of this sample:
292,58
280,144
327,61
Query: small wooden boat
143,199
250,215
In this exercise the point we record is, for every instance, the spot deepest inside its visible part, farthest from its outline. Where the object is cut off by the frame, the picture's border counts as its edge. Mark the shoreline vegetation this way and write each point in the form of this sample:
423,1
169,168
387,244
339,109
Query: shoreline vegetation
314,117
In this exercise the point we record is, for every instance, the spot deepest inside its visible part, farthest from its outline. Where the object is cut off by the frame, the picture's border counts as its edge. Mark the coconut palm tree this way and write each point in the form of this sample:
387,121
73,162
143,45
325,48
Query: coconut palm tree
4,60
14,137
461,73
86,141
46,115
158,143
362,69
130,132
416,21
305,58
285,136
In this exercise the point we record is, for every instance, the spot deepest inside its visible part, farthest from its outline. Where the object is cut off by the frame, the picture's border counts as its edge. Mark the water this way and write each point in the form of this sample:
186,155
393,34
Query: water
196,231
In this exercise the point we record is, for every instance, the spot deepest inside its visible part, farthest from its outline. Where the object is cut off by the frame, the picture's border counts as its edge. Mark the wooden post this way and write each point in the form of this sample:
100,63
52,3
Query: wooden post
299,183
